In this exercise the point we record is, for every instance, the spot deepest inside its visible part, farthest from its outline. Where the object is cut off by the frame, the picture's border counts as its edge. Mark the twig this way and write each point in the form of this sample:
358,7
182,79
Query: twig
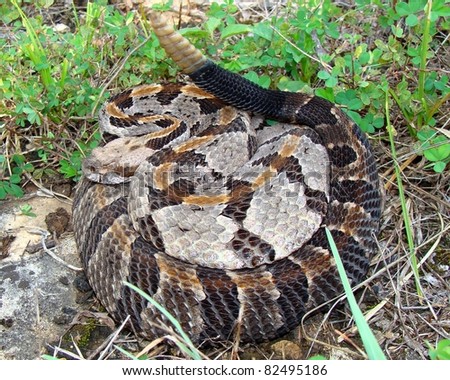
44,234
111,339
44,192
116,72
326,66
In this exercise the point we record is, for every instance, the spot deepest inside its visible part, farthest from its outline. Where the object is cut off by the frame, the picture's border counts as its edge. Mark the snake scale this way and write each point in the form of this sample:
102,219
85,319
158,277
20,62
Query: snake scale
217,214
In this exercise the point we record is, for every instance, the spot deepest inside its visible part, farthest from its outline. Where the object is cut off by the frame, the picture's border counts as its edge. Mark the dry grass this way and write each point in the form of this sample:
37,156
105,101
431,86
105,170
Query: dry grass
406,320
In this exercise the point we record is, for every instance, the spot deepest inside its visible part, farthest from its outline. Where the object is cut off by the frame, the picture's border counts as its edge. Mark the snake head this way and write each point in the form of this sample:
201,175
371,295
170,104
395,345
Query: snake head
116,162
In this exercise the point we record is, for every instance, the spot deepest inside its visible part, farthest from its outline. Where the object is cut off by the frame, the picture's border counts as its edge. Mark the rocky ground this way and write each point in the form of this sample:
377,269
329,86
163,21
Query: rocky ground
37,296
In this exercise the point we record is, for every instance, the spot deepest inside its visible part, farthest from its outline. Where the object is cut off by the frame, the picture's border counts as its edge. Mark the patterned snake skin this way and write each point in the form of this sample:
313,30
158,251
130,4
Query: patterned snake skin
216,215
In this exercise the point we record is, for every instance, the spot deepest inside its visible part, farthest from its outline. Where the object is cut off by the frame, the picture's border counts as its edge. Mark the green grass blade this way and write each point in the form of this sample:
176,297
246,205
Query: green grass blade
424,47
189,347
401,193
48,357
35,50
371,345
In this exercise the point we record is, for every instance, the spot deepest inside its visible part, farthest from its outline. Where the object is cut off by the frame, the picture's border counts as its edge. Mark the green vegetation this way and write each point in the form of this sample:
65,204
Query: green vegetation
26,210
52,82
442,350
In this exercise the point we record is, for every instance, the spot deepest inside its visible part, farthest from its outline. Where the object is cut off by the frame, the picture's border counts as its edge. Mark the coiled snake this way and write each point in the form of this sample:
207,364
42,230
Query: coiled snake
216,215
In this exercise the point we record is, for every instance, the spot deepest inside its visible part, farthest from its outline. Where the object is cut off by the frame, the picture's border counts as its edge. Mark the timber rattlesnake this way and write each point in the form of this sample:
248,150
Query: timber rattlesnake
217,216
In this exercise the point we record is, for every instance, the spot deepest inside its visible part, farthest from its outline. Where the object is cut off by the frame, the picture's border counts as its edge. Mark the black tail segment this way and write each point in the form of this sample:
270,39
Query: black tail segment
236,90
245,95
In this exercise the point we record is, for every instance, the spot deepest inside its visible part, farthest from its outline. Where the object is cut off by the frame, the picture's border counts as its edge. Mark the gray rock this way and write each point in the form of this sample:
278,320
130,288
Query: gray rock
37,296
